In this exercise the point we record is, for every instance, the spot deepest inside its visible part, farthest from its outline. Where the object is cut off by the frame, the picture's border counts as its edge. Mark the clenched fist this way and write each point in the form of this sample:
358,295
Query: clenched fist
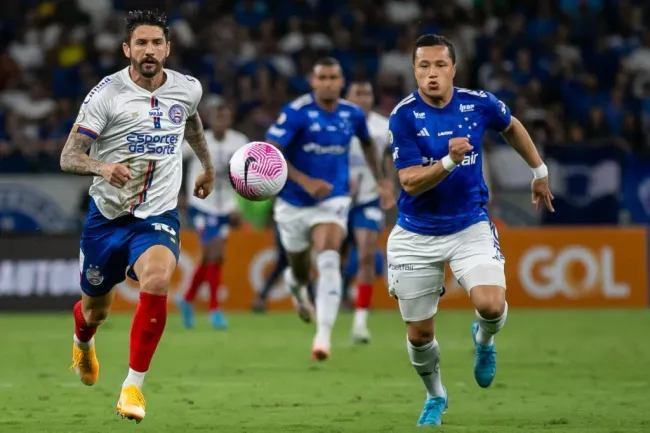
458,147
115,174
318,188
204,184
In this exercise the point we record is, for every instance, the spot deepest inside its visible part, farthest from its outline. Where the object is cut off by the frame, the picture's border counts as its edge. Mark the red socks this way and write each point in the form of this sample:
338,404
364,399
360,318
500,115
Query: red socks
213,275
147,329
364,296
197,280
210,273
81,329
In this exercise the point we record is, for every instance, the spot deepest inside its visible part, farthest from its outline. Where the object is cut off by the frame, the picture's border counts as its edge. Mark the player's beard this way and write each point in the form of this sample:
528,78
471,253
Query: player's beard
146,69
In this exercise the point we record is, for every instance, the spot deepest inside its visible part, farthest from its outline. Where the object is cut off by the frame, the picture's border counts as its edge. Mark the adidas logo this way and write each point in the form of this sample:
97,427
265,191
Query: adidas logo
423,133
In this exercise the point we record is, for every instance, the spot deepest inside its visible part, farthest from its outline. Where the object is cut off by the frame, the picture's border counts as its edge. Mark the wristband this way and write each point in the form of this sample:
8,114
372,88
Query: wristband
540,172
448,164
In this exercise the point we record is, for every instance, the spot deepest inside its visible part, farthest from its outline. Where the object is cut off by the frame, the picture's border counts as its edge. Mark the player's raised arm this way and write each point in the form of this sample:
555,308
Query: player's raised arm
195,136
518,138
280,135
414,174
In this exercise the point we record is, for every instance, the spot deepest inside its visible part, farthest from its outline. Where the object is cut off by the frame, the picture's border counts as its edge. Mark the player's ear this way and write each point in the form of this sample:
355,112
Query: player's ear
126,49
454,68
169,44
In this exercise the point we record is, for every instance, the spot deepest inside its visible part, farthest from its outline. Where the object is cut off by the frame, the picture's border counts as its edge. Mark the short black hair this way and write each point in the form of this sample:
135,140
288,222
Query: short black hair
146,18
432,40
327,61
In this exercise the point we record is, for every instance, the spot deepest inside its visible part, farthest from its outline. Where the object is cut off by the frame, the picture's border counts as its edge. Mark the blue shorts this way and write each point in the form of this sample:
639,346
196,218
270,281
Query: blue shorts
108,247
209,226
366,216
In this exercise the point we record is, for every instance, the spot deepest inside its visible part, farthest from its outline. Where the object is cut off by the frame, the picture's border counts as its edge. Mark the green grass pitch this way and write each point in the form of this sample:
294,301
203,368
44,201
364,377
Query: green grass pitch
558,371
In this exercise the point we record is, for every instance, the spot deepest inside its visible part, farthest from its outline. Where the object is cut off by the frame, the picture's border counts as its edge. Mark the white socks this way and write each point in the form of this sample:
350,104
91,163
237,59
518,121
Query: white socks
290,280
360,320
426,360
134,378
328,293
488,328
85,346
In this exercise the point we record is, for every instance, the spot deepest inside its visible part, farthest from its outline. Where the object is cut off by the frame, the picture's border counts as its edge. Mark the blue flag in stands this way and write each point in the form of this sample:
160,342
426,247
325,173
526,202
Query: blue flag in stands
586,183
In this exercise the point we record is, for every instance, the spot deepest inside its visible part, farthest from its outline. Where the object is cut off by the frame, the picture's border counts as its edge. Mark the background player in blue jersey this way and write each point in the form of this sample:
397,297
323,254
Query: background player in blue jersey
435,136
314,133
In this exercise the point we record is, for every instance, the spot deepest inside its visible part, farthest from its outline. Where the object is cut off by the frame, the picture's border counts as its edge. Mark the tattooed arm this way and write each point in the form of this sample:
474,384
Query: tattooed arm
74,160
195,136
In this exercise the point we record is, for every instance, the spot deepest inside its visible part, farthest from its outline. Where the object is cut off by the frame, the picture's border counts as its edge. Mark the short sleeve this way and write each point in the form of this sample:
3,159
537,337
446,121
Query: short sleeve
406,152
383,139
196,93
361,126
285,128
499,113
94,114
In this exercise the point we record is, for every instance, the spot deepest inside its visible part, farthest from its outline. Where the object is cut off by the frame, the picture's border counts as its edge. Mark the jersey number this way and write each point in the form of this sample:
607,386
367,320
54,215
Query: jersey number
164,227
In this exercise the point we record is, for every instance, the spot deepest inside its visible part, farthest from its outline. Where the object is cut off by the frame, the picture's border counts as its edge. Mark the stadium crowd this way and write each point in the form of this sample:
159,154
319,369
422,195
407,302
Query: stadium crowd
575,71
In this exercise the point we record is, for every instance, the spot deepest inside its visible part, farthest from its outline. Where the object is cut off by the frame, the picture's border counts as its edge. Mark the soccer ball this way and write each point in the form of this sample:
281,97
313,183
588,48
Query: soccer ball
258,171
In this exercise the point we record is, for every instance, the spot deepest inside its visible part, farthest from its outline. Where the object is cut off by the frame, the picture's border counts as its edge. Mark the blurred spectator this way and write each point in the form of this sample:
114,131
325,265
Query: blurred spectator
573,71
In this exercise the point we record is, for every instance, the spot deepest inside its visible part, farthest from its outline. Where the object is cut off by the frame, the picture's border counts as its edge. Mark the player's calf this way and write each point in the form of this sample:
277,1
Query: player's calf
299,296
328,299
296,278
424,353
491,312
154,269
88,314
365,278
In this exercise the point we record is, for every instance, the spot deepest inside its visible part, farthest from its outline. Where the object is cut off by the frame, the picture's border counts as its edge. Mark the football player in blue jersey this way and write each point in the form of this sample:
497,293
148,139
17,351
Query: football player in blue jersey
435,136
314,133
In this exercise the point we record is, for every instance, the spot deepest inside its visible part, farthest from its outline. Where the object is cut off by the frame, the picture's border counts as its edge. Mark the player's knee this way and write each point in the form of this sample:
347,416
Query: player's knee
367,258
213,258
489,301
96,317
420,334
328,262
213,253
155,280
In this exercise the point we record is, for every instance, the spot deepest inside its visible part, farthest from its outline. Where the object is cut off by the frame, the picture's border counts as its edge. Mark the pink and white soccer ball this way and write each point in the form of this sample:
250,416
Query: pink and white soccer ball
258,171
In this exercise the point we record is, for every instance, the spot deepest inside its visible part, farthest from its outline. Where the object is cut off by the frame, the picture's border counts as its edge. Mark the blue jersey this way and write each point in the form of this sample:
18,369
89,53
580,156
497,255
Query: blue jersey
420,134
316,142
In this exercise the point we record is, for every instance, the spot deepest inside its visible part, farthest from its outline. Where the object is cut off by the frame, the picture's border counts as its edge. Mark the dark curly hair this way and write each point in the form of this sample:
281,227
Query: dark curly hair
148,18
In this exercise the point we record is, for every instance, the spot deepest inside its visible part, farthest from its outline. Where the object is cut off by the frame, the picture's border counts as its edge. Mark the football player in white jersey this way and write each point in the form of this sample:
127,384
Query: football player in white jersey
133,122
366,218
213,216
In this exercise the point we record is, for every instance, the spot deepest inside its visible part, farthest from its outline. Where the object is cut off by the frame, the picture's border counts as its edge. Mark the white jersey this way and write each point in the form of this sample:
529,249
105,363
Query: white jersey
222,199
143,131
359,171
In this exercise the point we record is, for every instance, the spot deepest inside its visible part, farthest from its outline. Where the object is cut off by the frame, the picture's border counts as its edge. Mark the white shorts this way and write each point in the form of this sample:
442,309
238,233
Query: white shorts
295,223
416,265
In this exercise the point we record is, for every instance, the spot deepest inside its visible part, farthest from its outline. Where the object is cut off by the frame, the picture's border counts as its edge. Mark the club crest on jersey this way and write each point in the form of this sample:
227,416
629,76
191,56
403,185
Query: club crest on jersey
176,114
93,275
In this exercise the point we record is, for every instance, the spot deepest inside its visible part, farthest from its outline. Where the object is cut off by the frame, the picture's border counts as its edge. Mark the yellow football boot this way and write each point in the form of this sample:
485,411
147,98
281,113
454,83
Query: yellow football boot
85,364
131,404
